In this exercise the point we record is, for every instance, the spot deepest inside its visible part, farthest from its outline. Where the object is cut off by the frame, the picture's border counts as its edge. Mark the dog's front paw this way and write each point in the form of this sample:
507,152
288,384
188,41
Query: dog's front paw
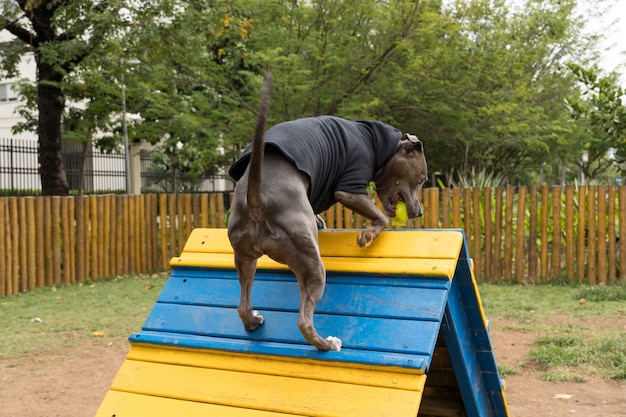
335,343
365,239
257,320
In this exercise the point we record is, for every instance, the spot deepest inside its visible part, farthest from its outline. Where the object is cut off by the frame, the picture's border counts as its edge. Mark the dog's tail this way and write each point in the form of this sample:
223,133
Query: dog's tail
255,167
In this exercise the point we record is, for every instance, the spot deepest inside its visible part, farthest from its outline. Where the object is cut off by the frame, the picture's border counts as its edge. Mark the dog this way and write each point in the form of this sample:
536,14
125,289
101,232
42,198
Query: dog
295,171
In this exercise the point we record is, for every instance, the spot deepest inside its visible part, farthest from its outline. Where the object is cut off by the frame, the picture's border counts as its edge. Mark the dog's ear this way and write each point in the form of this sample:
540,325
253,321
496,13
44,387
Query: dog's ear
415,143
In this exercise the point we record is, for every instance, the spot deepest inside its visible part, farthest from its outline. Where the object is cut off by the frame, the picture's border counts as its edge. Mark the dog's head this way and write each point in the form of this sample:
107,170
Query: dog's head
401,176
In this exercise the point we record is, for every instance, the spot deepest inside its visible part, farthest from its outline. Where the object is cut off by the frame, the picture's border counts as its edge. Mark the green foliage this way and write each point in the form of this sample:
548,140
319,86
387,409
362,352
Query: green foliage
480,81
480,179
606,351
569,344
601,293
601,107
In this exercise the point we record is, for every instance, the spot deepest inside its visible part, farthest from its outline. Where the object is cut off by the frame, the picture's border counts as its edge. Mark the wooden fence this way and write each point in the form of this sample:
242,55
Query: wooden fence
520,234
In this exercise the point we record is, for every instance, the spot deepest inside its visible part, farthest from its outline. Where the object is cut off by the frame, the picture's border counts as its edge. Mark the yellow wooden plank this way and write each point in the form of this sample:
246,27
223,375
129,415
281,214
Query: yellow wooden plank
432,253
407,266
265,392
424,244
126,404
390,377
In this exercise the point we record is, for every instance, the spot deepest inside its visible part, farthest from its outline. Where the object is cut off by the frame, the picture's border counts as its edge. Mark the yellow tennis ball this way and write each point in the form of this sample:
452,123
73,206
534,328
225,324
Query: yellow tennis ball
401,214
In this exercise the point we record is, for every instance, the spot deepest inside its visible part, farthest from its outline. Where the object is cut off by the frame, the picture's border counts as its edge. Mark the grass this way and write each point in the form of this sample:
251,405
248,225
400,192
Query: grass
46,320
580,329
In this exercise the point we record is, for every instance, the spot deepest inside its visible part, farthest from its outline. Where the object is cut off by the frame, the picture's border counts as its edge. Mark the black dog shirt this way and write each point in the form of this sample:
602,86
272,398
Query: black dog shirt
336,154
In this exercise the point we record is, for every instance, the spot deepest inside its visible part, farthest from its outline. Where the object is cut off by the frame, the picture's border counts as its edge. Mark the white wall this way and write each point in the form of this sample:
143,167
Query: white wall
8,117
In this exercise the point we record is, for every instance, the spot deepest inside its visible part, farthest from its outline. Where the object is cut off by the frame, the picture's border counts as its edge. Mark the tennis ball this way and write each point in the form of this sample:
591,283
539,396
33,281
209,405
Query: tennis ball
401,214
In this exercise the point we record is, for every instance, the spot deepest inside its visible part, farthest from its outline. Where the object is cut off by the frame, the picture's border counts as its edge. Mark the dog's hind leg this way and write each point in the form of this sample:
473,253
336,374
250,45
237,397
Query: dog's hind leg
246,268
311,280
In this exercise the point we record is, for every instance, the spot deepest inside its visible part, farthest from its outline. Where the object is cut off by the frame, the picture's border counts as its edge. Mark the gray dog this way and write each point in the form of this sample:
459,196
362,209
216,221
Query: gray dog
300,168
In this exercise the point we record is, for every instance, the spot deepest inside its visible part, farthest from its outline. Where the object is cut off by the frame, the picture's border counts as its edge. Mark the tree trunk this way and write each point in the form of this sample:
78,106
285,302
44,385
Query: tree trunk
50,103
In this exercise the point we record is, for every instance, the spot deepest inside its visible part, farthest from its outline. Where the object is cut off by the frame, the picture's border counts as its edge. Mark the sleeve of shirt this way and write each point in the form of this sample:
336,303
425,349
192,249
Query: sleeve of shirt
358,173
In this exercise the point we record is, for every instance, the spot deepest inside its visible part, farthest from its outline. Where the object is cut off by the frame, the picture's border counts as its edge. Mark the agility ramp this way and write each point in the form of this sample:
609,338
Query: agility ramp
407,308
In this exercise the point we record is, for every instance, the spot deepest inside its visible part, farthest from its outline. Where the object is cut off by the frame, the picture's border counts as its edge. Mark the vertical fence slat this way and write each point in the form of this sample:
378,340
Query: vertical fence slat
556,232
129,235
476,232
213,210
204,210
188,219
445,208
56,240
221,212
151,226
456,208
532,234
581,236
508,234
103,260
569,232
23,248
106,235
125,220
338,216
520,236
13,215
65,236
347,218
601,233
30,233
39,243
4,252
80,239
611,235
488,233
195,210
171,215
143,234
434,207
467,216
592,272
119,235
136,250
87,233
163,225
496,270
94,236
544,232
180,223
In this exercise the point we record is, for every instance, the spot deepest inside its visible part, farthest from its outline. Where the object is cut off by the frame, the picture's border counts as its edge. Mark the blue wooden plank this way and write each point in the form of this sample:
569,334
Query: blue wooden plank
374,334
403,360
383,280
338,299
464,362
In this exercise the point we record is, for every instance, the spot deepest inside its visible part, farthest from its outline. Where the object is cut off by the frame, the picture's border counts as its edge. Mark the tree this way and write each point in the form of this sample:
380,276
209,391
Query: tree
485,88
601,108
60,34
325,55
195,88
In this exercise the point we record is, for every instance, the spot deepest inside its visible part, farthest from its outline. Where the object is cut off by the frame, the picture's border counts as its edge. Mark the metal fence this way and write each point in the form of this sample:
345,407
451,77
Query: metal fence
158,179
19,168
99,172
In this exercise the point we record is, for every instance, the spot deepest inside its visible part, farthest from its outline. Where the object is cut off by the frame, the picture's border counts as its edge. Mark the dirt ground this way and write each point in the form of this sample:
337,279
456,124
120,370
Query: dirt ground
74,382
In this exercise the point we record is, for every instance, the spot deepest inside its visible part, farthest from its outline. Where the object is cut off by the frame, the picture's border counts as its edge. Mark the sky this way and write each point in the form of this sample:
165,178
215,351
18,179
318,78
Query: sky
616,39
